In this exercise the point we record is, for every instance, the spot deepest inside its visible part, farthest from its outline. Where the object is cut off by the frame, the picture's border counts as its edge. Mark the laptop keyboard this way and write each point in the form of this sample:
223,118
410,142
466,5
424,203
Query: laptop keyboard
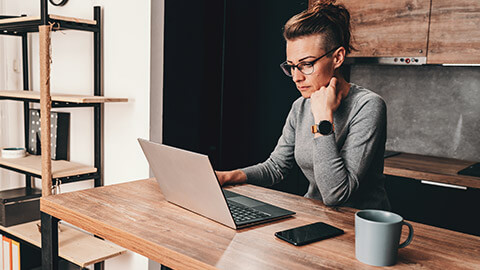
243,213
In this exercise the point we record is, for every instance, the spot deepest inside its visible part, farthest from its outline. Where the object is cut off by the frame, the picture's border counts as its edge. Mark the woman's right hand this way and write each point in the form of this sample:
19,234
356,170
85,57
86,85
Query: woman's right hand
231,177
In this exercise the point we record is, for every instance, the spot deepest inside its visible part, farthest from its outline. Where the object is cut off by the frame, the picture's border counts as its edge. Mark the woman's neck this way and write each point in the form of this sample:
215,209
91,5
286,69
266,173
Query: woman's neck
342,85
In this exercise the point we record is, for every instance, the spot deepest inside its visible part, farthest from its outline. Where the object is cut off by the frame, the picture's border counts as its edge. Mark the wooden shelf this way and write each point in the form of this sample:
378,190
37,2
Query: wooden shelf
19,19
16,25
35,97
75,246
53,17
60,168
436,169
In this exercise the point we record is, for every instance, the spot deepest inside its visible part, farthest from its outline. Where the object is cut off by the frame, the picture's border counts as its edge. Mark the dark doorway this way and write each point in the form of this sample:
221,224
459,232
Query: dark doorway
224,93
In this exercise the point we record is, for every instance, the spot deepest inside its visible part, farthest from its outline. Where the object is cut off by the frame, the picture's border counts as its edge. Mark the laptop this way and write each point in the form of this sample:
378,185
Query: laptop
188,180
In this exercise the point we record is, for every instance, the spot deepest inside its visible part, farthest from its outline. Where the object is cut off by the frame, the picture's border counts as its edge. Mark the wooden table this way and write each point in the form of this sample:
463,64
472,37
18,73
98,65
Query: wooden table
135,215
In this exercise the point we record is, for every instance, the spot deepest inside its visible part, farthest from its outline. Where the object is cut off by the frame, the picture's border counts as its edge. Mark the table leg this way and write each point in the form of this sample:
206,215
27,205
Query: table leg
99,266
49,242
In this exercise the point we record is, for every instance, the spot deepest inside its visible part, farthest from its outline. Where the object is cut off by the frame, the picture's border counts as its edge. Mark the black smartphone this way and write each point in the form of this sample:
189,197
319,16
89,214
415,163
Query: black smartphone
309,233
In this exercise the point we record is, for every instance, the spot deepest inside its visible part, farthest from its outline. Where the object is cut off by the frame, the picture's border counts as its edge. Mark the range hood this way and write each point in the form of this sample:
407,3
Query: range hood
403,61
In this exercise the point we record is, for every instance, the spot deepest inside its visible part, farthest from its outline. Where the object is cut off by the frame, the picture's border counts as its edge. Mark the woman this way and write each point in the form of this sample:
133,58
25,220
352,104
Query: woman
335,131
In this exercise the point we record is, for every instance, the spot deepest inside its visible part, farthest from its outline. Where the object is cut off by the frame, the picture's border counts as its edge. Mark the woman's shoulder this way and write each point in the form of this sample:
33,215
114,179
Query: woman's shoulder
361,95
299,103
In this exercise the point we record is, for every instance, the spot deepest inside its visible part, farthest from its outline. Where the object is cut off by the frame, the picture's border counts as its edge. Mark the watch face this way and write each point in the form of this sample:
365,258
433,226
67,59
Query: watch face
325,127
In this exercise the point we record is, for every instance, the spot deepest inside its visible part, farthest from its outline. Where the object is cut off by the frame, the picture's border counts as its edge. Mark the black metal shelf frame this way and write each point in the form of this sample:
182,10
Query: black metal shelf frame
21,29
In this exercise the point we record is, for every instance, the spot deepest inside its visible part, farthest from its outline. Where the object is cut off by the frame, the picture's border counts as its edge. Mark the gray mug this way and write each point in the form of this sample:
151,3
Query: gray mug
377,236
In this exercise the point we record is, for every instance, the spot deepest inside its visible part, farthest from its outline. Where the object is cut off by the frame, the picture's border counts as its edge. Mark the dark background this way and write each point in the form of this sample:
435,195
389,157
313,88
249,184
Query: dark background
224,92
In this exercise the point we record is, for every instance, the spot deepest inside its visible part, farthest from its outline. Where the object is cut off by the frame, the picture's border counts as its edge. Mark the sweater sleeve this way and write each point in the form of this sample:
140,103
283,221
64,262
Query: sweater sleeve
281,160
338,172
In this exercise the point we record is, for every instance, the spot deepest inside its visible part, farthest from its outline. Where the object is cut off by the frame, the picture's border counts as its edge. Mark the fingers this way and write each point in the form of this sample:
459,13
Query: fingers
333,83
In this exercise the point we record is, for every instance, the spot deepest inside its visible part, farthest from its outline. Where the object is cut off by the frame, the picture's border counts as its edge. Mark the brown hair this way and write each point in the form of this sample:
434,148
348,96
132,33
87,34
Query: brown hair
323,17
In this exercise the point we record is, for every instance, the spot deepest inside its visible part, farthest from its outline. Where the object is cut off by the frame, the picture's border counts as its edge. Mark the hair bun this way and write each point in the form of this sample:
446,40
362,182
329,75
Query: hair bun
322,17
322,3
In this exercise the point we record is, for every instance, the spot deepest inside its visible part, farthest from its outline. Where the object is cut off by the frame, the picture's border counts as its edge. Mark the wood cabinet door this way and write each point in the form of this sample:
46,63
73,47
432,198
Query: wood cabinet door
389,28
454,32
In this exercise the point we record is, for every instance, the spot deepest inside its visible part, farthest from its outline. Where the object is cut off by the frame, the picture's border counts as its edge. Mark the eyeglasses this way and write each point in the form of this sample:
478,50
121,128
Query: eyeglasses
305,67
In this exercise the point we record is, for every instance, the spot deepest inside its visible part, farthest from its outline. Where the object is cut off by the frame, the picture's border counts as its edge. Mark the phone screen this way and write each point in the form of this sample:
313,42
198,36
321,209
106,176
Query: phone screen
309,233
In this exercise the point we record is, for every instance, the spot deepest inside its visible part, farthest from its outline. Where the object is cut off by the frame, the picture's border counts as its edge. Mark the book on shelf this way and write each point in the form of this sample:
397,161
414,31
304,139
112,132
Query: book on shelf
15,252
9,254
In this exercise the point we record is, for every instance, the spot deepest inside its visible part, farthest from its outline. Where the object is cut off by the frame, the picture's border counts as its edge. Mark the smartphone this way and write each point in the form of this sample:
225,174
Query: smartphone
309,233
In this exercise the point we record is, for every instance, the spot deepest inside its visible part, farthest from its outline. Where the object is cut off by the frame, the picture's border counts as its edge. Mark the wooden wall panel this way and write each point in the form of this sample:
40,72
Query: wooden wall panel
454,32
389,28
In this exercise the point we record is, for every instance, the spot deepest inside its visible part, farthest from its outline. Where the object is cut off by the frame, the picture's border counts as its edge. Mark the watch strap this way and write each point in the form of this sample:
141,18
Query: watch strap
316,130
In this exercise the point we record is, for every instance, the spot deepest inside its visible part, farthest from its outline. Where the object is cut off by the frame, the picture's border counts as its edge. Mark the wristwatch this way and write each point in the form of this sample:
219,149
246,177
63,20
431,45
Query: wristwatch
325,127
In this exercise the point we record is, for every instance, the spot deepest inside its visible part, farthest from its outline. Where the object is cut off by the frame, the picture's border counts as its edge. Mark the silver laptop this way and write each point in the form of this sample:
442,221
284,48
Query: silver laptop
188,180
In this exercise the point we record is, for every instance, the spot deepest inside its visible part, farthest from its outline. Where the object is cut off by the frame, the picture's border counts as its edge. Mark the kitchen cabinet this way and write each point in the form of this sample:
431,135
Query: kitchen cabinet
389,28
440,206
428,190
454,32
446,32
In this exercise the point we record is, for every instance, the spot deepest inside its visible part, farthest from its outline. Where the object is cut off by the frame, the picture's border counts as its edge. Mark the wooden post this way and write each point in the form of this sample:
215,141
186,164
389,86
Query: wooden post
45,106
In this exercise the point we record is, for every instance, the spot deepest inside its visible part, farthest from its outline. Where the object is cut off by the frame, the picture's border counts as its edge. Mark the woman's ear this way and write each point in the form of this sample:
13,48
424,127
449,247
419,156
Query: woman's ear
338,57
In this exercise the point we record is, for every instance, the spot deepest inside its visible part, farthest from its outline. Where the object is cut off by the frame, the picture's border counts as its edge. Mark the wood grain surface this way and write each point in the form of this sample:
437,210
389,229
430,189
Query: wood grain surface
437,169
135,215
454,32
45,108
35,95
72,19
75,246
20,19
389,28
53,17
60,168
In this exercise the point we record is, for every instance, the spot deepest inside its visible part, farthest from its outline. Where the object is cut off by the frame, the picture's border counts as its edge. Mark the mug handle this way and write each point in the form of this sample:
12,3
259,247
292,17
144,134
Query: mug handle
410,235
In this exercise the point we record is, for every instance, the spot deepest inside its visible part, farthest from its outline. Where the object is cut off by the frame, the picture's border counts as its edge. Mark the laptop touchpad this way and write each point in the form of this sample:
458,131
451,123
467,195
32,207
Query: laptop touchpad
246,201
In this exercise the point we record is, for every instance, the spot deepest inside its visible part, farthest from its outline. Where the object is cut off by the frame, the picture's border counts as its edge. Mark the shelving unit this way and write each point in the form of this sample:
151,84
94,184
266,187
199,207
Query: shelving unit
57,171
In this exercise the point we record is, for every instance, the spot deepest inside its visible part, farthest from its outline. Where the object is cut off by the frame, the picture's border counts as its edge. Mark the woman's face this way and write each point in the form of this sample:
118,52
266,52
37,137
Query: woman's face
305,49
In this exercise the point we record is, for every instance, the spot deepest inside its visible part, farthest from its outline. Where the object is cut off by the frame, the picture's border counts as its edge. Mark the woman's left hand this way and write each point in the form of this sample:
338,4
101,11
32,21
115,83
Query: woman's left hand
325,101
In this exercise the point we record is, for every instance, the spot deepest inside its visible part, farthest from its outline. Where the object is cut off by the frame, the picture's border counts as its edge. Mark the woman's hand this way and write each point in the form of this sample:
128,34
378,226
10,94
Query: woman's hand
231,177
325,101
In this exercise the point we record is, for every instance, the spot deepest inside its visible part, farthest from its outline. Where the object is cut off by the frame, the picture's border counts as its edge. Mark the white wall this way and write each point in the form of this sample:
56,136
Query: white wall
11,112
126,48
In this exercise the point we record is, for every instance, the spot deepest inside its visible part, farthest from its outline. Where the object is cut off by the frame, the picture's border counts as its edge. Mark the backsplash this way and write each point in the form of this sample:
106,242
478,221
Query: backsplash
432,110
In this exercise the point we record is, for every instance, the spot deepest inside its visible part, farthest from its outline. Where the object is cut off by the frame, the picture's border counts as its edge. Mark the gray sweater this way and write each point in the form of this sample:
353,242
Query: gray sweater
345,168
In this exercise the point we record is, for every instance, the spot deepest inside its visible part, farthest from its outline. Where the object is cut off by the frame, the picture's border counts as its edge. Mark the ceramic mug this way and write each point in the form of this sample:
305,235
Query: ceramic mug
377,236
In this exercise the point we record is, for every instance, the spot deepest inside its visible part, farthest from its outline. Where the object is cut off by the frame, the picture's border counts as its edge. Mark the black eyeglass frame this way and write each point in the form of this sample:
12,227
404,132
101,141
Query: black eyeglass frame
286,67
